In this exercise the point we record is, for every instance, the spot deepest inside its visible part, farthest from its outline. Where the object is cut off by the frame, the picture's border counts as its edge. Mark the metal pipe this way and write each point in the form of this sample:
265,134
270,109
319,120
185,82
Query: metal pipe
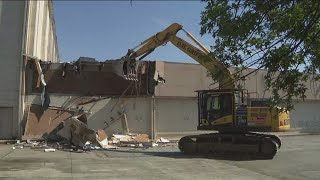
142,43
21,103
196,41
153,133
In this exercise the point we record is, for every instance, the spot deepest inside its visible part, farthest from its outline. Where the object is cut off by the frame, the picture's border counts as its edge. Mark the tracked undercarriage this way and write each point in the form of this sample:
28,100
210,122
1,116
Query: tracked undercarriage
262,146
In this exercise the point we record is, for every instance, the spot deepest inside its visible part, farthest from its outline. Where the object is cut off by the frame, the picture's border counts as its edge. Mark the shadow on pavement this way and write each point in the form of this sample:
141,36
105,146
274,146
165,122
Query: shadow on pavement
180,155
310,131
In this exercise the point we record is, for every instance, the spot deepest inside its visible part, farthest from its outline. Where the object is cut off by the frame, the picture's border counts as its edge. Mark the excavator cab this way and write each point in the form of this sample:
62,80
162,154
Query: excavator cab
232,111
222,110
215,108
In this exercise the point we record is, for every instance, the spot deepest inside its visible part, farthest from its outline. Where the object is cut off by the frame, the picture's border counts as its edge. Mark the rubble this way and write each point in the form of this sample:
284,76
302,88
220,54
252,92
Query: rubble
130,138
89,146
102,138
14,147
143,138
134,140
50,150
154,144
74,135
162,140
80,133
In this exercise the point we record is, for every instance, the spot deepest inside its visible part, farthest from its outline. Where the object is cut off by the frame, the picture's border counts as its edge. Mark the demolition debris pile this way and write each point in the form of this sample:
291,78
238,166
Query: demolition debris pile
74,134
50,124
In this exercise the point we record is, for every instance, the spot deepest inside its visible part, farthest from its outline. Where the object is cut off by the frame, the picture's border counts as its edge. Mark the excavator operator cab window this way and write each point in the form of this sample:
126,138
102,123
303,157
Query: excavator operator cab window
238,99
213,103
217,106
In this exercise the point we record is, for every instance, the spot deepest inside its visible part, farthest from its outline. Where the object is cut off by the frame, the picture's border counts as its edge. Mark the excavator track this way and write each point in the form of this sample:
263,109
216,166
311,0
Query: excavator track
262,146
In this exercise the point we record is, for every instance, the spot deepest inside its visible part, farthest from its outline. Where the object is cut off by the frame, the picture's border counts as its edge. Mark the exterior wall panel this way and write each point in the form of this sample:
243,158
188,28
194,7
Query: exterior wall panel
176,114
182,80
6,123
12,16
306,115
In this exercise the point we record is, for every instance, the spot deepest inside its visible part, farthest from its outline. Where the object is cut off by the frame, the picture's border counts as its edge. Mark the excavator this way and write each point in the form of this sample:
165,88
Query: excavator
237,121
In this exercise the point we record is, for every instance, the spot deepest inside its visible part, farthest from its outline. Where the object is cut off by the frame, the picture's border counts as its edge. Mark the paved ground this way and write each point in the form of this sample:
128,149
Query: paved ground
297,159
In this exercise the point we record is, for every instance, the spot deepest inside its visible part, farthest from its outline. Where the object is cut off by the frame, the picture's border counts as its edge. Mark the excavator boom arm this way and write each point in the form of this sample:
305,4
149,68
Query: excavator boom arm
218,71
216,68
155,41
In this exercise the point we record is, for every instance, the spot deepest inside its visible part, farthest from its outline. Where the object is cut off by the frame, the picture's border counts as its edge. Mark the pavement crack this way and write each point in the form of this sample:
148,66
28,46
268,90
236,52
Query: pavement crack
252,170
71,170
7,154
158,169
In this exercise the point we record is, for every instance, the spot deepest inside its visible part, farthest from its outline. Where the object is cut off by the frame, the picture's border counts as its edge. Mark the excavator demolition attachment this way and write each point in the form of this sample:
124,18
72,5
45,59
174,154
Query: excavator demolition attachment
126,68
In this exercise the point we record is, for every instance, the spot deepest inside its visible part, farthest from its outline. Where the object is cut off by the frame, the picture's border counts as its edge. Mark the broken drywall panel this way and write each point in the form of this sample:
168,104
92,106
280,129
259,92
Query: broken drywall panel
101,113
40,123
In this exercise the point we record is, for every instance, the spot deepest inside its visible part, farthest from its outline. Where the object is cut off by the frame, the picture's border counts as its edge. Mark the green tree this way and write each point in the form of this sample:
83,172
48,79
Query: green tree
281,36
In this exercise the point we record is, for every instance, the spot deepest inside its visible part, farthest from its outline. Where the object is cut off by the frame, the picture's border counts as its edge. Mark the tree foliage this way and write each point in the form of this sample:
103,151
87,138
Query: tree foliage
281,36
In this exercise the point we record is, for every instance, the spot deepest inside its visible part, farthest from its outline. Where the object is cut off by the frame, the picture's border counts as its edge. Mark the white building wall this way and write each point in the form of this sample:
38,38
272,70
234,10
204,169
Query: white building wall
41,35
174,115
11,38
182,79
179,115
306,116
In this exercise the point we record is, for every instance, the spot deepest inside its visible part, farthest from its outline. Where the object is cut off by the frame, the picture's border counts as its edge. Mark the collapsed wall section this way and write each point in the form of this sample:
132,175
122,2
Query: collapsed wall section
90,79
90,88
100,112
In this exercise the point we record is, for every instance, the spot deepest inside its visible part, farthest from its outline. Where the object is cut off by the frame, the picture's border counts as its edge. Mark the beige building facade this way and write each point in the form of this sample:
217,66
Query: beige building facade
28,28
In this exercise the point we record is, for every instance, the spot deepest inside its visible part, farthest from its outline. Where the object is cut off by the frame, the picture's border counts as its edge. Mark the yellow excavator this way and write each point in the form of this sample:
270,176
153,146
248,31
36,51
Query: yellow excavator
225,110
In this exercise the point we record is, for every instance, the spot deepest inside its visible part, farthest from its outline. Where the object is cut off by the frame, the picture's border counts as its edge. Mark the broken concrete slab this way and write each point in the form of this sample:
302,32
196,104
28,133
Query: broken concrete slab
81,133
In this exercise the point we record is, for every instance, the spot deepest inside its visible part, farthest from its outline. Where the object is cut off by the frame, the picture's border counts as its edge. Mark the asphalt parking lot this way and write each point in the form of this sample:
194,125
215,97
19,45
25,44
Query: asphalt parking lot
298,158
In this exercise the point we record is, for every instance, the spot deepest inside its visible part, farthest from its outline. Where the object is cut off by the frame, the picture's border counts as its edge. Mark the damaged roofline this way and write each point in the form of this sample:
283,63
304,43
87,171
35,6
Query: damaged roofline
90,77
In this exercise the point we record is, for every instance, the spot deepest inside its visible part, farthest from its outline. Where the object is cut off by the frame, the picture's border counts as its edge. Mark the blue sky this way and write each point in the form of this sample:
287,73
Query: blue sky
107,29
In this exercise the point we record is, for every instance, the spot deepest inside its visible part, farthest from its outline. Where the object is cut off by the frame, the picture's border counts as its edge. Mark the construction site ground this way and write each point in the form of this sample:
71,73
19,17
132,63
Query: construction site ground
298,158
